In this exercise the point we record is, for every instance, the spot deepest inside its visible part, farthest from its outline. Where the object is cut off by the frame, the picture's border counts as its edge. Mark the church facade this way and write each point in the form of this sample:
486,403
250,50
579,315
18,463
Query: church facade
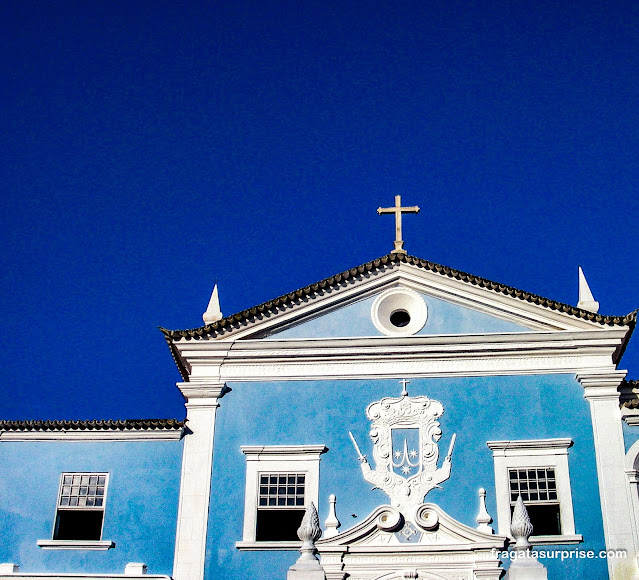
411,404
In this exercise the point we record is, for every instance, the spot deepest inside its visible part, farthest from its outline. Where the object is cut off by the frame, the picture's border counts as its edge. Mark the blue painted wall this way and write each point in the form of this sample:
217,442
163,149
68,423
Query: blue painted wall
478,409
355,320
630,434
141,506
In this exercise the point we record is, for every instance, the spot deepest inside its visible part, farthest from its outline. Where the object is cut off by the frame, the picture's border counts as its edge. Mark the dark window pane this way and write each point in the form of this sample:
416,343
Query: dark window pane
78,525
278,525
545,519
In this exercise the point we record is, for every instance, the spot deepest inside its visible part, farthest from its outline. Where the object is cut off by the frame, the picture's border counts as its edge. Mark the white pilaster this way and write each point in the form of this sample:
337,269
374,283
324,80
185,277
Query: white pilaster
195,483
619,520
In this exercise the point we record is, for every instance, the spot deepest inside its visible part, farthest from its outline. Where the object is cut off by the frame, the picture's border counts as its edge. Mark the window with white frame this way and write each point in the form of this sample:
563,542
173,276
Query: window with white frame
537,487
536,469
281,481
80,507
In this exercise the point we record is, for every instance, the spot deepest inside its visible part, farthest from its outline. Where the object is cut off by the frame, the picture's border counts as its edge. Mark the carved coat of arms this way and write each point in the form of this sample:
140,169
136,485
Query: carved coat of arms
405,434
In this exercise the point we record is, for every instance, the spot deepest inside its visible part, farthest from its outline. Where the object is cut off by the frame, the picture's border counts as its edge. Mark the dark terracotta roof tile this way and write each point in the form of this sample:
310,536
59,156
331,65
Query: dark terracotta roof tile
95,425
629,396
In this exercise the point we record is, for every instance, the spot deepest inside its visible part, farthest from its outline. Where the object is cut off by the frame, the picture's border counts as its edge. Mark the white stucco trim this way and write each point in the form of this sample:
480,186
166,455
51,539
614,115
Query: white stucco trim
403,357
277,459
80,436
617,506
632,420
632,473
78,576
195,481
531,453
76,544
267,546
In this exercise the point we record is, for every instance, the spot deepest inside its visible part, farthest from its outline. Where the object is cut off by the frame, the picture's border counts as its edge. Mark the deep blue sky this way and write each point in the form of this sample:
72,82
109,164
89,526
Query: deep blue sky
150,148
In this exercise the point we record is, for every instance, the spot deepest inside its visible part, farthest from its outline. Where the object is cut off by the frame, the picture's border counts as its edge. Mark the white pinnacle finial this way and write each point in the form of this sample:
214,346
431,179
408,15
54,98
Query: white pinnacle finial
586,299
483,517
332,523
213,312
404,383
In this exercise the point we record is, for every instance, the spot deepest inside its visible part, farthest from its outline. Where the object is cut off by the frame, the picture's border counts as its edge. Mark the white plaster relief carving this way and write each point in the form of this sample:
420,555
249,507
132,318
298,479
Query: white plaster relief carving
402,417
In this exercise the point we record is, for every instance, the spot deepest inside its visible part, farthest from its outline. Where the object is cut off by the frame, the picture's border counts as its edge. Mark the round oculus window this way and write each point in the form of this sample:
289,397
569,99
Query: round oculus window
399,312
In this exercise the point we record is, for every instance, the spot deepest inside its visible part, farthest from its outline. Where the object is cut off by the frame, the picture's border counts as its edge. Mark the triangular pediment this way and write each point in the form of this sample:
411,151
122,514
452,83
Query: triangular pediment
455,303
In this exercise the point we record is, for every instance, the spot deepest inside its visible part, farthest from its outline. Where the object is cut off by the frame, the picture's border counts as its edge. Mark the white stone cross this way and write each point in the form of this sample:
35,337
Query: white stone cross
398,210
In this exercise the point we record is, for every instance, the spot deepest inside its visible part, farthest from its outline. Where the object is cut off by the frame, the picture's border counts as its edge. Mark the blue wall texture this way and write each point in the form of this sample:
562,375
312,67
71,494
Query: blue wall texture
478,409
140,513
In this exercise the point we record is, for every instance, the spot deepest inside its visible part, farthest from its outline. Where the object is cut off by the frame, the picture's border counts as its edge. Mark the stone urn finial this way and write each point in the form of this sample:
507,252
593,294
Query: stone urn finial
520,526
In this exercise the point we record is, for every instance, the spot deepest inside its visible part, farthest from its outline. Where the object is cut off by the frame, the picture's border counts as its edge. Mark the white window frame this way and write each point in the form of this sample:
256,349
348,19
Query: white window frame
79,544
281,459
535,453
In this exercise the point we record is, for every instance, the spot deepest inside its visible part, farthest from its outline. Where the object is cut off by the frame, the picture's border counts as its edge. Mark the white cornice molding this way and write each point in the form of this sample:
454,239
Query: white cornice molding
203,393
583,352
632,420
258,452
81,576
531,446
86,436
601,385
